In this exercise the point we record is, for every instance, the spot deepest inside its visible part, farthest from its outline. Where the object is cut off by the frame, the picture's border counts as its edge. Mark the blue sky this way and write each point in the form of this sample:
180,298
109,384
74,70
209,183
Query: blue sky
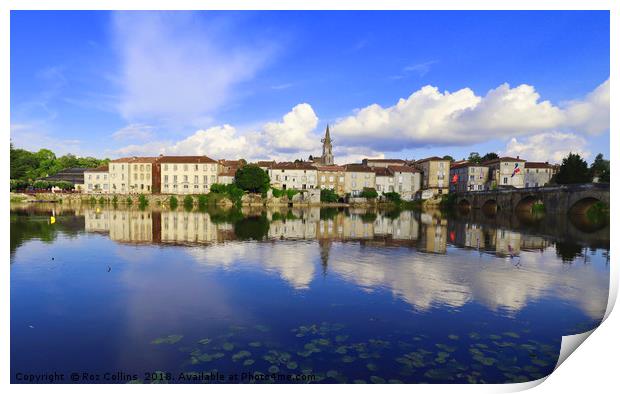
265,84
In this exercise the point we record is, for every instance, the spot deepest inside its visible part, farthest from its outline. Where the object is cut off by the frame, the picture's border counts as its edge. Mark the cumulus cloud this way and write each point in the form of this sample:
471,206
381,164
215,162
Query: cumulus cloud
428,117
552,146
294,132
175,67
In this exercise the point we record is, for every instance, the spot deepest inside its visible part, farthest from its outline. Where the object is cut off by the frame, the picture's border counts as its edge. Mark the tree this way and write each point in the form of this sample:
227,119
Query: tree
252,178
448,157
573,170
369,192
489,156
328,195
474,157
600,169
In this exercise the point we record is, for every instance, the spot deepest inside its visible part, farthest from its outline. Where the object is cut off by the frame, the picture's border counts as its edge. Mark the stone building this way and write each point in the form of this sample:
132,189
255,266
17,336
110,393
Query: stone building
188,174
134,175
407,181
331,177
435,172
297,176
327,158
467,176
96,180
505,172
538,174
357,177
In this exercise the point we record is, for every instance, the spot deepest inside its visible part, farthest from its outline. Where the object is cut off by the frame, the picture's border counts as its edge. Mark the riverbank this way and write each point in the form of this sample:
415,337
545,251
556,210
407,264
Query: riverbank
210,199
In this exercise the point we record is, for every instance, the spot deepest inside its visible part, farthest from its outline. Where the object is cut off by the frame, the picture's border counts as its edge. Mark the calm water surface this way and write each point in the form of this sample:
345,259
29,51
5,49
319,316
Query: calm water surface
326,295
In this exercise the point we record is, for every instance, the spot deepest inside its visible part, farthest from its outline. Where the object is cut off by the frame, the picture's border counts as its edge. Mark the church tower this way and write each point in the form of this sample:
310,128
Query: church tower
327,158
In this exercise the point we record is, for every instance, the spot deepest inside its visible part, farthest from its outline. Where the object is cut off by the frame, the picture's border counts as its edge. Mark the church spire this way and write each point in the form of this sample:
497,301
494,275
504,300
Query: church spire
327,158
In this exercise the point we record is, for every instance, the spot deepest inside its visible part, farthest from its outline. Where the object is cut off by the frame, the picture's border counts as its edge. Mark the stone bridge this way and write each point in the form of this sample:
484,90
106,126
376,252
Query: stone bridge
576,199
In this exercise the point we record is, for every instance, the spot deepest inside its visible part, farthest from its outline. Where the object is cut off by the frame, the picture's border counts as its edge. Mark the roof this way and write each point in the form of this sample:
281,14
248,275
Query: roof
355,167
403,169
382,171
186,159
538,164
432,158
467,164
385,160
293,166
265,163
329,168
98,169
500,159
73,175
230,172
135,159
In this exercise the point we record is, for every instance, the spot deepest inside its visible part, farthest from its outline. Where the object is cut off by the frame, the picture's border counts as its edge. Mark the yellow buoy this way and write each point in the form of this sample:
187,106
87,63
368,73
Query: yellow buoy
52,220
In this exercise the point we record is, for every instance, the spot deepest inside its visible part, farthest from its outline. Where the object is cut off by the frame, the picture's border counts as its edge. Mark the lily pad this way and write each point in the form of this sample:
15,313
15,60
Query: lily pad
453,337
274,369
291,365
512,334
262,328
341,349
348,359
377,379
241,355
331,373
255,344
169,340
371,367
205,341
248,362
228,346
341,338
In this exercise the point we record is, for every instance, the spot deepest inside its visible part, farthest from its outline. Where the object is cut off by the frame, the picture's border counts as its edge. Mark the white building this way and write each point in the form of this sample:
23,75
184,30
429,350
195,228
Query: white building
96,180
297,176
187,174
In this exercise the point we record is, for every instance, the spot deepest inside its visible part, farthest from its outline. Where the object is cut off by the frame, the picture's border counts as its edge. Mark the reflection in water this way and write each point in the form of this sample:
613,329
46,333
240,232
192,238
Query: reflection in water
414,297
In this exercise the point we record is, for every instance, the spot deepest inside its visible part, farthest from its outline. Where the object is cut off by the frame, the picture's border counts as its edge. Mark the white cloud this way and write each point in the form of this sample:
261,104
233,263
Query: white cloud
176,68
294,132
429,117
552,146
134,131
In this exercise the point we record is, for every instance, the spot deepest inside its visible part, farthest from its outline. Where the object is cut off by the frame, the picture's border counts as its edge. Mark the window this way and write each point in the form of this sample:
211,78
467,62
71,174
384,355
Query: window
141,177
195,178
184,167
204,167
505,180
141,167
148,168
185,178
212,178
174,178
322,178
165,167
205,179
331,178
174,167
186,186
195,167
166,178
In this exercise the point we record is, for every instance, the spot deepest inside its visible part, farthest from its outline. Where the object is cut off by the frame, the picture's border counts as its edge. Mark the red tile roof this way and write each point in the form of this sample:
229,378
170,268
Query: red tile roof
403,169
432,158
293,166
357,168
186,159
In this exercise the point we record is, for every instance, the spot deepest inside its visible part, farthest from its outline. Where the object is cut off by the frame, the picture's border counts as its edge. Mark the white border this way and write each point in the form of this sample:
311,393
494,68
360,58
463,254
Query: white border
594,368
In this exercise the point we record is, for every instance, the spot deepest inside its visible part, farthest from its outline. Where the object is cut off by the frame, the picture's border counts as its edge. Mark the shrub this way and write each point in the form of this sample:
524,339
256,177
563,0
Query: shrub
18,184
92,200
143,200
174,202
114,200
64,185
101,200
393,197
369,192
252,178
41,185
129,201
203,200
188,202
328,195
231,191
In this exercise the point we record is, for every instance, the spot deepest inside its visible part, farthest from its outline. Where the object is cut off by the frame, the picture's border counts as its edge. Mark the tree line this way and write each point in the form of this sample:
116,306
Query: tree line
29,166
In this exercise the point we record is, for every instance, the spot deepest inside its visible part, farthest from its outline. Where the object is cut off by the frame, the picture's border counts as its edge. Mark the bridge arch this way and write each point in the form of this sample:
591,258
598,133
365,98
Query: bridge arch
526,203
490,207
581,206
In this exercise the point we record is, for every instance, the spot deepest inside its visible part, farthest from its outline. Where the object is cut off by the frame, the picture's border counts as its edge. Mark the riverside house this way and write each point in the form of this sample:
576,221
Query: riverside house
466,176
538,174
505,172
407,181
331,177
357,177
298,176
96,180
134,175
435,172
187,174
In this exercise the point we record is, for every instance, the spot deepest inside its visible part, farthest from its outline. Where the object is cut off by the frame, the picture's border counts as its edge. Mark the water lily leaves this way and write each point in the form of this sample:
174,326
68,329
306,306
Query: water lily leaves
442,357
371,367
274,369
255,344
241,355
341,350
453,337
539,362
341,338
363,355
512,334
248,362
262,328
291,365
205,341
323,341
474,335
488,361
348,359
331,373
495,337
169,340
359,381
378,343
395,381
377,379
228,346
446,348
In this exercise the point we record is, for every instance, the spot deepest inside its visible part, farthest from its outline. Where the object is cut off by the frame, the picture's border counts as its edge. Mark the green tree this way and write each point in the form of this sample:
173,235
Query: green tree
489,156
328,195
252,178
448,157
573,170
474,157
369,192
600,169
